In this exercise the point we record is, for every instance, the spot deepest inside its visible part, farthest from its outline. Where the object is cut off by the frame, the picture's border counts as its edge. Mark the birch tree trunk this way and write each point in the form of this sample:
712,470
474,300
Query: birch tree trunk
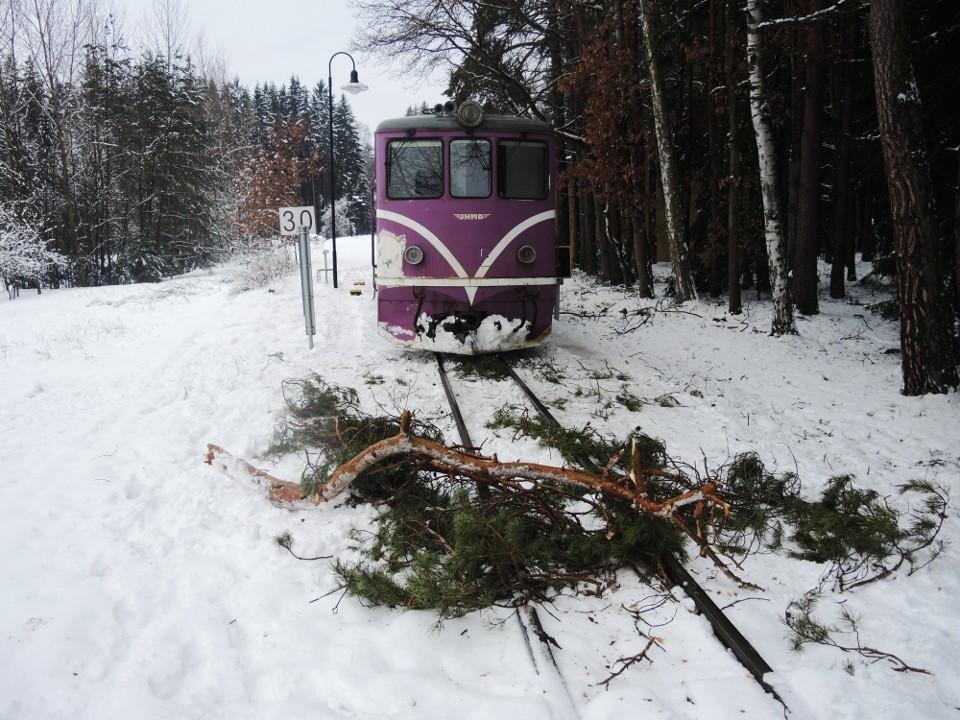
676,226
929,364
783,321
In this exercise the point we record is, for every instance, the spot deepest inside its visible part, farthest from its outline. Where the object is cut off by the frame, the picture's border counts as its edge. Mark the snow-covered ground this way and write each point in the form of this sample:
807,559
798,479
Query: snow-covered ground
139,582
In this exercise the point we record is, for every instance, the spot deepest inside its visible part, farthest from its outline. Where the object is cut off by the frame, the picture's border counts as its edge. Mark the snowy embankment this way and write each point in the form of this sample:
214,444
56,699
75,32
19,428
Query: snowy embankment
140,582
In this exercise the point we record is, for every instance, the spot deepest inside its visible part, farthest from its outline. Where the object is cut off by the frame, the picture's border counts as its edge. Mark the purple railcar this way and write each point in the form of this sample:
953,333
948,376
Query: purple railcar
466,231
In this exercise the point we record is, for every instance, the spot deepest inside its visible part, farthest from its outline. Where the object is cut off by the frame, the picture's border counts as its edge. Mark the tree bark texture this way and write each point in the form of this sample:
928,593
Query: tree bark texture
841,239
573,206
641,256
929,365
793,162
734,304
808,210
623,248
783,321
715,252
588,253
956,238
603,239
676,225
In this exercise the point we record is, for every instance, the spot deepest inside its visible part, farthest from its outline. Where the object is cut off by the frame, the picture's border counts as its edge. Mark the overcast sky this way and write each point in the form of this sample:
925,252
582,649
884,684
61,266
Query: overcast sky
270,41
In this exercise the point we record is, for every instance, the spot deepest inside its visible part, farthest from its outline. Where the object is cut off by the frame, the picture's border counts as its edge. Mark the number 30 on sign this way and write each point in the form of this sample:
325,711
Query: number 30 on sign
294,218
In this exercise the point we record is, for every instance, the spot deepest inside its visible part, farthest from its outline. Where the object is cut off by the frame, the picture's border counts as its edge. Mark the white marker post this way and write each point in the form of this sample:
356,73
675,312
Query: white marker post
300,221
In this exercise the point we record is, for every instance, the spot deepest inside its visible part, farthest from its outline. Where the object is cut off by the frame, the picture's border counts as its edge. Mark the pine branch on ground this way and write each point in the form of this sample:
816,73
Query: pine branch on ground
539,530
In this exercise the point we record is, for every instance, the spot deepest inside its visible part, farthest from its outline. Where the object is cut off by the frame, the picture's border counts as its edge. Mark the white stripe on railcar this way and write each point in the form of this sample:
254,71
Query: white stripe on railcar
510,236
429,236
470,283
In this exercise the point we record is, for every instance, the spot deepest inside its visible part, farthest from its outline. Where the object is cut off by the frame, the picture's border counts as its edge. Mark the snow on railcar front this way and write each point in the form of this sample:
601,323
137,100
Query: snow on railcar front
466,230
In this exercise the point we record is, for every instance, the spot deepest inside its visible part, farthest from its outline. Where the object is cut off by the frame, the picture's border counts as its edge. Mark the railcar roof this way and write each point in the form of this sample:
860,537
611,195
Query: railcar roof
449,122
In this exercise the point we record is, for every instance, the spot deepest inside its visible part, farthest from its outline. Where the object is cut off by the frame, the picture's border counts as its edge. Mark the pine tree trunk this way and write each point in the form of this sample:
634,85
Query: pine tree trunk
783,321
841,240
588,254
573,222
867,238
624,247
929,365
805,269
715,234
956,238
602,217
796,138
612,237
641,256
676,225
733,235
650,208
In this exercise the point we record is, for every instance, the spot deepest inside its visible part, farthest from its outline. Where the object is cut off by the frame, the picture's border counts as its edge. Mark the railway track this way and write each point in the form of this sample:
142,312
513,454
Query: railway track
536,641
725,631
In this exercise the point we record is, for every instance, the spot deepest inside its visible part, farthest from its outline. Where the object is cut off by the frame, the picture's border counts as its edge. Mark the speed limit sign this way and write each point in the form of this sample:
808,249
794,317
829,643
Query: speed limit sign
294,218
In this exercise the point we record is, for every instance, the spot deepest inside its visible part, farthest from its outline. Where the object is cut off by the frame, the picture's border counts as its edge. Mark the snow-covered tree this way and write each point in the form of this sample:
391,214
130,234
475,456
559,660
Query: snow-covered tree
25,255
345,226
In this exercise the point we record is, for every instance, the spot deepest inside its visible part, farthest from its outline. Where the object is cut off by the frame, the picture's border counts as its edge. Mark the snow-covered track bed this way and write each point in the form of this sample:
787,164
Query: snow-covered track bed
141,582
724,630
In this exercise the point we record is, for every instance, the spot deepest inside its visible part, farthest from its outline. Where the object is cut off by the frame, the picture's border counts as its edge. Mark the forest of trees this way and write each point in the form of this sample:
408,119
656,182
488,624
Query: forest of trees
750,143
744,147
120,166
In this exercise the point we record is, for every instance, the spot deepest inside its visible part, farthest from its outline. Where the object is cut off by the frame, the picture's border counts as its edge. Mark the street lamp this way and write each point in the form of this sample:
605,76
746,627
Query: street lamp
353,87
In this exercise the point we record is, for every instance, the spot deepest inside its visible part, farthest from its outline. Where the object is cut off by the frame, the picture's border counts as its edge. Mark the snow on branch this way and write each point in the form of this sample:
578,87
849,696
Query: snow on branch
840,5
24,254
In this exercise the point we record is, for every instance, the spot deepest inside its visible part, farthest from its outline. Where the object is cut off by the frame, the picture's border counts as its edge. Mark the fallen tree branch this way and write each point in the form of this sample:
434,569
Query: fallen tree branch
478,467
280,492
453,462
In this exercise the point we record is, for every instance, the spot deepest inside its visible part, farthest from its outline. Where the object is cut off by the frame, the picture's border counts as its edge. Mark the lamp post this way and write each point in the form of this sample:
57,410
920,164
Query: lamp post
353,87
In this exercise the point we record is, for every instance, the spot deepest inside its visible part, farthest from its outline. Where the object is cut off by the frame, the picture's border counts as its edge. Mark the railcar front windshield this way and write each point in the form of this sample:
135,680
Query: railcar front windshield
522,170
414,169
470,168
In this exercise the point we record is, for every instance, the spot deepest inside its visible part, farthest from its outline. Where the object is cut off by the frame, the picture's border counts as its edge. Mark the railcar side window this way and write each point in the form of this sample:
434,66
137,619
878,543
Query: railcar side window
470,168
522,169
414,169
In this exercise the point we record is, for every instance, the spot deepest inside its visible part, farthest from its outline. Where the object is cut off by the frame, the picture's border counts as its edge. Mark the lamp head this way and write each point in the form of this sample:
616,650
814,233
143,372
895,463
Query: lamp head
354,86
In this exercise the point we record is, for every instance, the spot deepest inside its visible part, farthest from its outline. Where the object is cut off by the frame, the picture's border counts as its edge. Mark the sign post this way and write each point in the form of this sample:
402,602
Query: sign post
300,221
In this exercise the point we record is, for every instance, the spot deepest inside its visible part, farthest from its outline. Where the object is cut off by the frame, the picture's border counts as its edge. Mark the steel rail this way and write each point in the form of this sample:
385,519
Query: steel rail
533,620
454,405
726,632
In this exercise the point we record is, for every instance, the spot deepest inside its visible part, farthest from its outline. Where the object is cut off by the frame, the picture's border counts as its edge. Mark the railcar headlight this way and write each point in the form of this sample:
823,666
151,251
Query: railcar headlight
526,254
413,254
470,114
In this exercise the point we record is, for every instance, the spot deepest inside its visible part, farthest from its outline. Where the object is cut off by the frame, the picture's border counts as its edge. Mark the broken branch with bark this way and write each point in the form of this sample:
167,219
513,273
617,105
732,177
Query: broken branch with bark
457,463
